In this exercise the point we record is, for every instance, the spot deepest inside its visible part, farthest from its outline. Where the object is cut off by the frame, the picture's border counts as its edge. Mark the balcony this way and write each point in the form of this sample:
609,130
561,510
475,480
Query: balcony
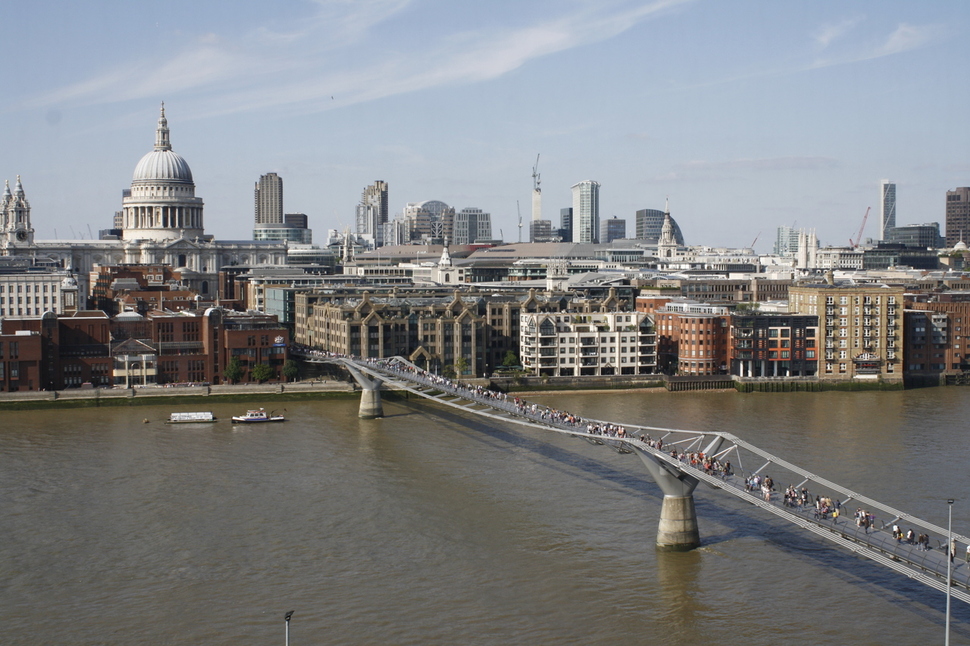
547,352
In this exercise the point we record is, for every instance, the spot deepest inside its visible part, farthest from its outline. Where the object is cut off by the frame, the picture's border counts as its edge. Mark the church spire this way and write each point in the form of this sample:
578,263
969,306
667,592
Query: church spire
6,188
19,188
161,135
445,260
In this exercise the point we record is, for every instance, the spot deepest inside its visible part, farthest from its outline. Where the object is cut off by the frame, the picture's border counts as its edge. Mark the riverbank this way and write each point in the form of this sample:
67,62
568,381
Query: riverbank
323,388
154,395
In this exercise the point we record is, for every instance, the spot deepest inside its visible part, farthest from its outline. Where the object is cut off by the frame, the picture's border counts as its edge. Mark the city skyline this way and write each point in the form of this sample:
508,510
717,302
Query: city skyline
749,116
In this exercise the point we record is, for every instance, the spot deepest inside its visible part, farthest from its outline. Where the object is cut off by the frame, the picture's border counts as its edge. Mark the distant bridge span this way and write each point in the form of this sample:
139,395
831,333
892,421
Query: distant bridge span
677,478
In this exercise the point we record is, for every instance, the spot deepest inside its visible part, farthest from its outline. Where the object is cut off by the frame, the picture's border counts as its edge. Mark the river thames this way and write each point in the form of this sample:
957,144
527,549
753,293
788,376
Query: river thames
429,527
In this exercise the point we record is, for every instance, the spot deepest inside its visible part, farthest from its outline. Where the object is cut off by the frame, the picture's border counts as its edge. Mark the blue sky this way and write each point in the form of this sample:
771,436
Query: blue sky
747,115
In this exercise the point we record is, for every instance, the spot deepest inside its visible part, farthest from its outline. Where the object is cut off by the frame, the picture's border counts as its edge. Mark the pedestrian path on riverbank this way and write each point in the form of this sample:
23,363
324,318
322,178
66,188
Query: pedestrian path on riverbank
158,394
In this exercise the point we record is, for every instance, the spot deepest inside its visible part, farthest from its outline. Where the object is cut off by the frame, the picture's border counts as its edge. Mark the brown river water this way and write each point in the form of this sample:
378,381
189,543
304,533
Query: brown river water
431,527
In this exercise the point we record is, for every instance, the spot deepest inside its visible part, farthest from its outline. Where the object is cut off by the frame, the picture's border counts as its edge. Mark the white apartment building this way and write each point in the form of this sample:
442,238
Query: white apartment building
32,294
564,344
839,258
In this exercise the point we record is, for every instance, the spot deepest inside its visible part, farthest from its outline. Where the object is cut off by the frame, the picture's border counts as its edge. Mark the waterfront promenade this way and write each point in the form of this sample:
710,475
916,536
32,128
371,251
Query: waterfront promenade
89,396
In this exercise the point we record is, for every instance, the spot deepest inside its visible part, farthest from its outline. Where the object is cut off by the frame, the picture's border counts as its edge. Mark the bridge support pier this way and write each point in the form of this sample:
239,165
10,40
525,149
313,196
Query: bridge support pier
370,393
678,524
677,531
370,403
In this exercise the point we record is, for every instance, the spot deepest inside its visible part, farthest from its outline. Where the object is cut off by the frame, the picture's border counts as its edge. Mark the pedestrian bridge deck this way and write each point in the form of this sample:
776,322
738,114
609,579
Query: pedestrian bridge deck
877,544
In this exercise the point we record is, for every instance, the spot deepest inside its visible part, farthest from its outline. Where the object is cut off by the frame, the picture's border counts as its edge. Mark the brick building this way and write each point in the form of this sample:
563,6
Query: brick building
774,345
936,337
54,352
860,325
692,338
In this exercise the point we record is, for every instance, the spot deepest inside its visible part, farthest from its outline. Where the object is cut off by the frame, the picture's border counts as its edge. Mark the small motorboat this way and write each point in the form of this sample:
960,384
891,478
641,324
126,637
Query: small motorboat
257,416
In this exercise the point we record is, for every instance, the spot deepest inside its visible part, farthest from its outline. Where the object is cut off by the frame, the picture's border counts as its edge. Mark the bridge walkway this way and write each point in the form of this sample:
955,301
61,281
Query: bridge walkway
928,566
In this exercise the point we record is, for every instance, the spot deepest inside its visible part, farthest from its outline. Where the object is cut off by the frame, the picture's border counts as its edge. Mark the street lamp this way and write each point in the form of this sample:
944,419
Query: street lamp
949,564
290,614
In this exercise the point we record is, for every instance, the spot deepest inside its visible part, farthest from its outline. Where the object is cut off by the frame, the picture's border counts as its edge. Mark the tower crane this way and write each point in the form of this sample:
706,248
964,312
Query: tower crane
858,236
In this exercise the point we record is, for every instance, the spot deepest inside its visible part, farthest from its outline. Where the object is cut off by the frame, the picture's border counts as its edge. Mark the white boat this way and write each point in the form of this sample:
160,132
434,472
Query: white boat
191,418
256,416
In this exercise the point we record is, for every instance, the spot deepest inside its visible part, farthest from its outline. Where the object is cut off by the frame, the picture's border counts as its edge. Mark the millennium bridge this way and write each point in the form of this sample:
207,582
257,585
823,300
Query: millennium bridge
662,451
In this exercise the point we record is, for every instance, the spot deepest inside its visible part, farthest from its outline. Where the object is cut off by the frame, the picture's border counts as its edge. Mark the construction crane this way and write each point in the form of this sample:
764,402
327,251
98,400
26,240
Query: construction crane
755,240
858,236
535,175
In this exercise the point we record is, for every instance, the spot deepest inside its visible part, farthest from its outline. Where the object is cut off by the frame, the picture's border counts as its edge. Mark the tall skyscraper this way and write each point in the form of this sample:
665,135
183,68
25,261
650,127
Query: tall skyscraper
586,211
372,213
887,208
269,199
957,216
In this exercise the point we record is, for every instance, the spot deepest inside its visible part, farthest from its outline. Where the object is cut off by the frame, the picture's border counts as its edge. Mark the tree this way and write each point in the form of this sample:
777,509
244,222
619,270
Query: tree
461,366
234,371
510,360
291,370
448,372
261,373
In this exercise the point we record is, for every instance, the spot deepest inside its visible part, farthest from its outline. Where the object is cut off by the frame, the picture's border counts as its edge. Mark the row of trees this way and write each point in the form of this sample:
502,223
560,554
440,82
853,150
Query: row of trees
460,367
260,373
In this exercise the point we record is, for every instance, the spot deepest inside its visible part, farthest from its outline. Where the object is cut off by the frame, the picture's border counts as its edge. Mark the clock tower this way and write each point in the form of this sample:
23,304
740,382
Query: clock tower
15,226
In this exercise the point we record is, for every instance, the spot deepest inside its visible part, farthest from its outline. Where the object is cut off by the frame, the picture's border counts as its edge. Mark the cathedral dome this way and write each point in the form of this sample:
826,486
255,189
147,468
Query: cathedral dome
165,165
162,164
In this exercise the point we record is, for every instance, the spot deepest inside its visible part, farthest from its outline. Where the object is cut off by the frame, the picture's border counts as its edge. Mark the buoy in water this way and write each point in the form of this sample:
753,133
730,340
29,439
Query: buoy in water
144,421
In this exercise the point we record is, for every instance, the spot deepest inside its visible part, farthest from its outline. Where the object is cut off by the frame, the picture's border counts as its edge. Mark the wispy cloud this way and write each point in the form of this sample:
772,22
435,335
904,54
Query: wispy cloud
306,69
830,32
905,38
